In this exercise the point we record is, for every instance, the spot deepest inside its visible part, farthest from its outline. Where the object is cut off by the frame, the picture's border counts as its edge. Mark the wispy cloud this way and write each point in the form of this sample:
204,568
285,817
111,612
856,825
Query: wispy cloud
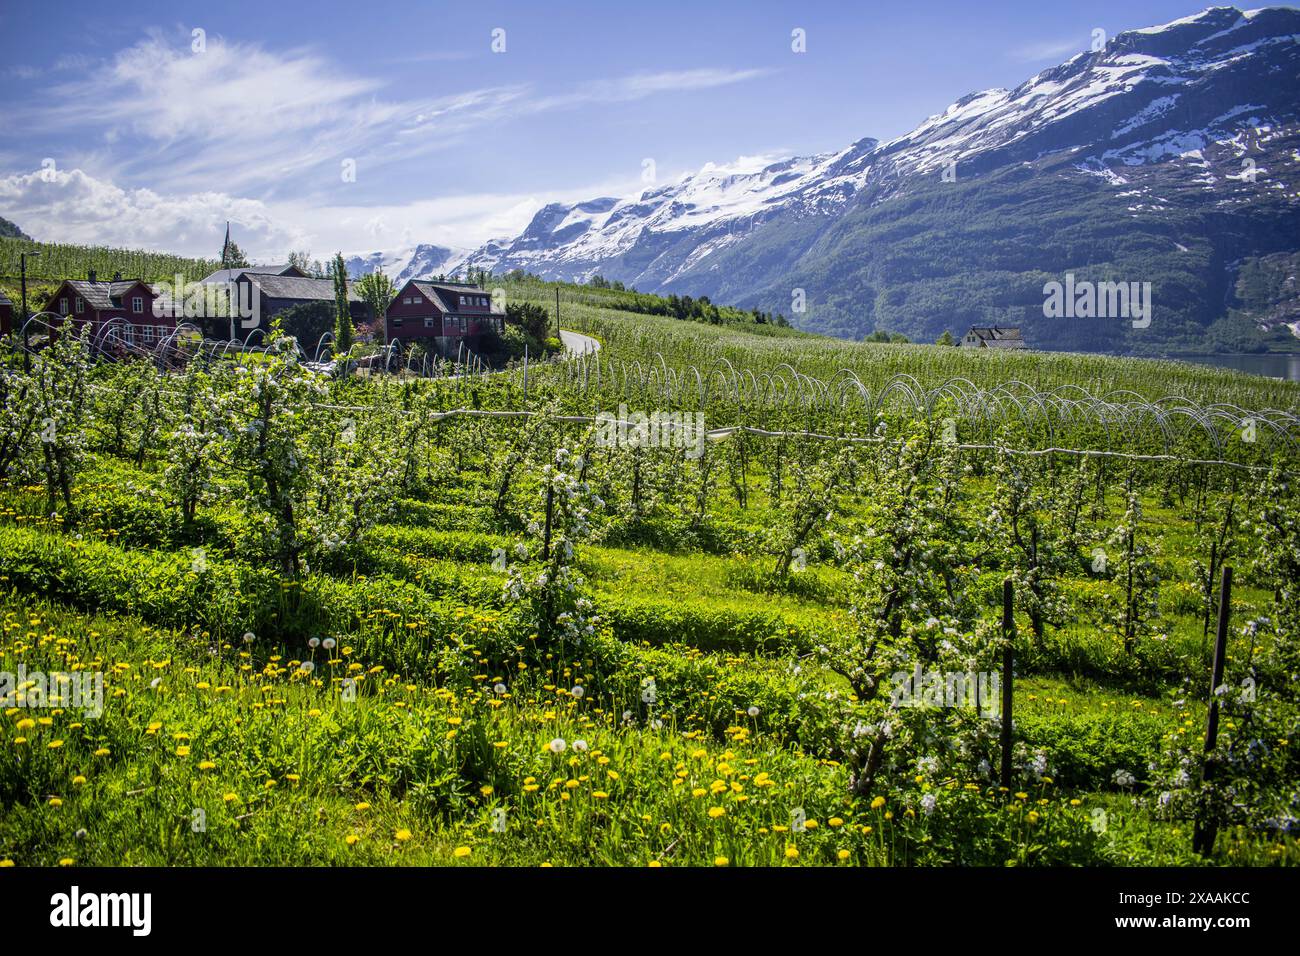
275,122
640,85
1047,50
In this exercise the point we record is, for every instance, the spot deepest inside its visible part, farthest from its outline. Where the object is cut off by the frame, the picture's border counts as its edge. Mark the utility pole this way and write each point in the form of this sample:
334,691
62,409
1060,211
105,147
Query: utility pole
27,355
557,310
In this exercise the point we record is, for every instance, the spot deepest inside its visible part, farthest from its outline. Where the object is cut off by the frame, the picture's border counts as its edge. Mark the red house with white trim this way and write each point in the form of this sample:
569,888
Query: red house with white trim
448,312
126,303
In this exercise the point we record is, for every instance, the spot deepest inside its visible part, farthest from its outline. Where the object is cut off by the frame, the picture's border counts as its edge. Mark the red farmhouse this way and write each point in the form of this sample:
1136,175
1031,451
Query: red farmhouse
124,303
6,314
448,312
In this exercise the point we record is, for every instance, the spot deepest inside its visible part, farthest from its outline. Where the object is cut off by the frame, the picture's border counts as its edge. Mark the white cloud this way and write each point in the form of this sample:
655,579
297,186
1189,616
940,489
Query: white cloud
74,206
743,165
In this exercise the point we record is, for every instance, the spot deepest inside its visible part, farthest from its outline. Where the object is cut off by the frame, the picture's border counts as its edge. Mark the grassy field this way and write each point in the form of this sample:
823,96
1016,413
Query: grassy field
335,628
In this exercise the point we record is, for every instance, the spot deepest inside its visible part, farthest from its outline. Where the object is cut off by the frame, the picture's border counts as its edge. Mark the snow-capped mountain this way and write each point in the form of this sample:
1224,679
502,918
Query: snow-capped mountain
419,262
716,208
1178,137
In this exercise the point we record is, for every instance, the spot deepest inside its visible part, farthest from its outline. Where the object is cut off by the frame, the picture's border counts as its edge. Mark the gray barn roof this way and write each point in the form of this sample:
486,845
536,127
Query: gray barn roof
293,287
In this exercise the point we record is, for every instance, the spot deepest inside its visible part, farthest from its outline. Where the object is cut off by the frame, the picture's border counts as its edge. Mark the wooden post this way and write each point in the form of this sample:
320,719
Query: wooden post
525,370
1008,634
1209,600
557,310
1207,830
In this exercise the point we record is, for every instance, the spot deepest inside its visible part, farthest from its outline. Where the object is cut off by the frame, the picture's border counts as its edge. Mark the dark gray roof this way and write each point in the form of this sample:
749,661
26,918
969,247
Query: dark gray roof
998,336
228,275
996,331
293,287
445,295
103,295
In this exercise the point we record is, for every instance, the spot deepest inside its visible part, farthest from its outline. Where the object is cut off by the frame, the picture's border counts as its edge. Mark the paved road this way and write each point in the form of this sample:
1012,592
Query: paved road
578,344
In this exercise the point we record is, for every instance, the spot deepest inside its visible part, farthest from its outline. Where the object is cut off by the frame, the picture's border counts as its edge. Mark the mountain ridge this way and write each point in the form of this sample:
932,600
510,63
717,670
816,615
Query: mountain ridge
1176,145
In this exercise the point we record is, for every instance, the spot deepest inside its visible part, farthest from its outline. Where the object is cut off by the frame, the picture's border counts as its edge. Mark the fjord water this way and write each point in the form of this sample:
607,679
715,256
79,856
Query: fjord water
1272,365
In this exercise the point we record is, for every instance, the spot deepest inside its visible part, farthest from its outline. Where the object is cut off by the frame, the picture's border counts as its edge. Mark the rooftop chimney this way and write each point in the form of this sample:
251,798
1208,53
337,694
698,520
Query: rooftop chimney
90,276
117,276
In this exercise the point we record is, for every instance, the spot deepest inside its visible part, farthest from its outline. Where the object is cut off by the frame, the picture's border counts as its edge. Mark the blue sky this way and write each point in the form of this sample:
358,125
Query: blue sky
148,142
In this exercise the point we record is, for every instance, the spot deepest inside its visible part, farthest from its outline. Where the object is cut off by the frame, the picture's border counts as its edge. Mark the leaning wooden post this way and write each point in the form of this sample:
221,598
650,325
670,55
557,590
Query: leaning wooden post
1207,829
1008,634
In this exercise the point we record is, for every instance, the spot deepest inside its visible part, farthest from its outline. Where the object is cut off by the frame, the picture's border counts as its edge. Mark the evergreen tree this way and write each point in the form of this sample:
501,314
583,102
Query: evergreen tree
344,335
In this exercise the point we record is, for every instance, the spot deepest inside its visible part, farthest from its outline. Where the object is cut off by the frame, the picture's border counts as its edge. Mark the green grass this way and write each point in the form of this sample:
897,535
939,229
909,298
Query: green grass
417,765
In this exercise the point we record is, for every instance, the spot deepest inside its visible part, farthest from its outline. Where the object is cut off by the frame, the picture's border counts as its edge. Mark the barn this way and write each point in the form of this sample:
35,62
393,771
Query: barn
994,337
442,314
275,293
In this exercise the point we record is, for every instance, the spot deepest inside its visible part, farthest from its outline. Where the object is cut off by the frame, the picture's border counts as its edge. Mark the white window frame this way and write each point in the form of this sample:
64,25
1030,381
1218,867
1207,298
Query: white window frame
79,304
137,304
63,306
